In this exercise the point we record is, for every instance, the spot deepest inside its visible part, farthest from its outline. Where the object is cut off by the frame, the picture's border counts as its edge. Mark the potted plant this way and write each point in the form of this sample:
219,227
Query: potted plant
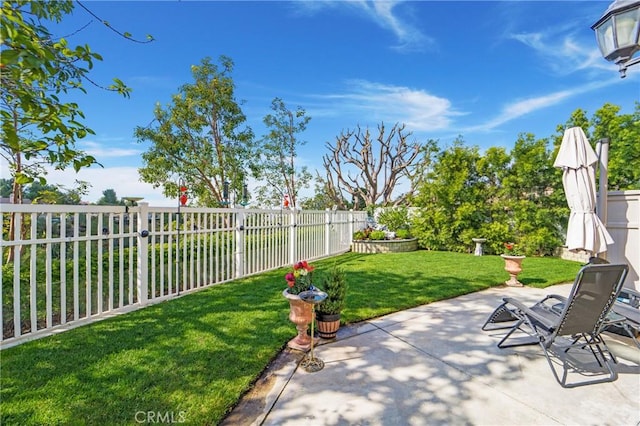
512,264
299,279
328,312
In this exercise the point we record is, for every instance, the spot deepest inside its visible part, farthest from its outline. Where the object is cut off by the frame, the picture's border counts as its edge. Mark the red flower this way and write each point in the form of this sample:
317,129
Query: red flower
290,278
511,250
300,278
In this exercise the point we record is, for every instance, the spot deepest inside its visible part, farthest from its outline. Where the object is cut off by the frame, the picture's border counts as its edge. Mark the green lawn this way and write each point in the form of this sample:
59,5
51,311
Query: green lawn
195,356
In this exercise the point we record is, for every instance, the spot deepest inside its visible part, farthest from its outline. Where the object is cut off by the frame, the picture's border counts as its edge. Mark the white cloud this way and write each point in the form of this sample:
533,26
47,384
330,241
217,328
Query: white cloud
382,13
409,37
523,107
418,109
562,53
98,150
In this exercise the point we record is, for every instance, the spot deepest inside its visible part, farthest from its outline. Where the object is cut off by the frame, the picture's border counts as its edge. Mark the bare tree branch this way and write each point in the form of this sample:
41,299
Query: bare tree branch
371,169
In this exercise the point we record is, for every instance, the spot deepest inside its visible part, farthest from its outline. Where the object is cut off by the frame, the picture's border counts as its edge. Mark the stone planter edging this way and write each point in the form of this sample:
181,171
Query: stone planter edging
384,246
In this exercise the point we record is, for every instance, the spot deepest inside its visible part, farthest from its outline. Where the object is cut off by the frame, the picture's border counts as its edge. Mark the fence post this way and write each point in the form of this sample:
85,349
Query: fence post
352,219
328,215
239,235
143,253
293,249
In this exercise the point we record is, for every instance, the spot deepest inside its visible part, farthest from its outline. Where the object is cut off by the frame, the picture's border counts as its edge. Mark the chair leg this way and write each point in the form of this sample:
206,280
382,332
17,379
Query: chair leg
629,331
588,343
612,375
527,339
502,314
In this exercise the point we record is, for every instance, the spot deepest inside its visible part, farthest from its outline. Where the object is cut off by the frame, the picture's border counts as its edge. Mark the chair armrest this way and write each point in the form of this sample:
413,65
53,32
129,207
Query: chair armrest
557,297
545,322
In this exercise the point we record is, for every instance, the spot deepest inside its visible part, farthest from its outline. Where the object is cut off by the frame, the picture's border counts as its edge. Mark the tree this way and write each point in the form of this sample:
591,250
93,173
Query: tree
38,128
504,197
320,199
278,151
109,198
5,187
623,132
55,194
453,200
371,169
535,202
199,138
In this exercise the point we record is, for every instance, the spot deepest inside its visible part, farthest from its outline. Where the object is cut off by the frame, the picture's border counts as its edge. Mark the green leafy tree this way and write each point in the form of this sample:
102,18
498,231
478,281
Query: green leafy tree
578,118
493,168
623,132
5,187
40,193
109,198
38,128
499,196
517,196
200,138
453,197
319,201
278,149
536,205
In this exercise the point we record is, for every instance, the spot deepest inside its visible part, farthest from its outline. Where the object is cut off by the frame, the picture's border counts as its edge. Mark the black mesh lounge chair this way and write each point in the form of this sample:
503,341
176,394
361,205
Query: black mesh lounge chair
625,316
561,324
628,306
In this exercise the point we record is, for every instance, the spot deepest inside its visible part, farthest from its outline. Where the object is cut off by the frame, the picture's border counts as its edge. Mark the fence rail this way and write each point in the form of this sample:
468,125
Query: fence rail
69,265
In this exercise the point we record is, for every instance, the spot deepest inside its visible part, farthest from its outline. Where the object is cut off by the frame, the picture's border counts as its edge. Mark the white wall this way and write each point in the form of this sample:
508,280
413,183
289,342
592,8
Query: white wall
623,223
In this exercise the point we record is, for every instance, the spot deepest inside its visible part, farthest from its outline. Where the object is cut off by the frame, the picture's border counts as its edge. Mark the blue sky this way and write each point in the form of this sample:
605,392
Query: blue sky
484,70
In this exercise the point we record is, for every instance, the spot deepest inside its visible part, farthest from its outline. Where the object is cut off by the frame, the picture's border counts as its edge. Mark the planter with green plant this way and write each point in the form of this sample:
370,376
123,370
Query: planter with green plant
328,312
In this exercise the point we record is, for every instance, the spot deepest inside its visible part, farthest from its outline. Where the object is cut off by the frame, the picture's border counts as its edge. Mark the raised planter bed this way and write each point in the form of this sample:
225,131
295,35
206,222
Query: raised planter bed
384,246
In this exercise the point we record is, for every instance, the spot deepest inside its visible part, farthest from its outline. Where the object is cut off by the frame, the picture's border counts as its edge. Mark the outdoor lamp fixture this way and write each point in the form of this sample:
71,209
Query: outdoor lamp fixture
617,33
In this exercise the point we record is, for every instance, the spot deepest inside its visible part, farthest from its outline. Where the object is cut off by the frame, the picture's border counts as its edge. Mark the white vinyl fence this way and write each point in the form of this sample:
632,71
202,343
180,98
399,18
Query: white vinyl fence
68,265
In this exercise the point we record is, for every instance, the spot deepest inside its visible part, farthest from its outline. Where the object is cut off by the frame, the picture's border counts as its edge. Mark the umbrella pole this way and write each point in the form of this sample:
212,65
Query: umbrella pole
602,149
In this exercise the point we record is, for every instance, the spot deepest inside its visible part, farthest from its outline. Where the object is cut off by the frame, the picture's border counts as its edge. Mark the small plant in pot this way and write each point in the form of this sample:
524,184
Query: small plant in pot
328,312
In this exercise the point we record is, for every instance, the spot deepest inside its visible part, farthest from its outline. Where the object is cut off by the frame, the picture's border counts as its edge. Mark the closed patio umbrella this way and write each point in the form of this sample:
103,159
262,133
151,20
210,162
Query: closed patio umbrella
577,159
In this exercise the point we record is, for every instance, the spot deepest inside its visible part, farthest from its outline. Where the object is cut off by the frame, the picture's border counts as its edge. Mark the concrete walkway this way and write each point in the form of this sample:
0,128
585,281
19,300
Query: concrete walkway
433,365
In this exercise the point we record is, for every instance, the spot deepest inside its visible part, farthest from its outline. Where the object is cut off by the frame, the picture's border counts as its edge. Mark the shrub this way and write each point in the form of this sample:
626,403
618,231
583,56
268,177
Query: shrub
377,235
403,234
335,285
359,235
394,219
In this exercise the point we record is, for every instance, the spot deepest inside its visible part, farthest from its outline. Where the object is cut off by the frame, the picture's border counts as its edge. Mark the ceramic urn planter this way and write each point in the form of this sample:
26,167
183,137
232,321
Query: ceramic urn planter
513,265
301,314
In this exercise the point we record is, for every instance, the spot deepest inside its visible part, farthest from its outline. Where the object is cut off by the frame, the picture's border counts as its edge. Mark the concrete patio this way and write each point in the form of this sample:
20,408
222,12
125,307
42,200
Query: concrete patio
433,365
